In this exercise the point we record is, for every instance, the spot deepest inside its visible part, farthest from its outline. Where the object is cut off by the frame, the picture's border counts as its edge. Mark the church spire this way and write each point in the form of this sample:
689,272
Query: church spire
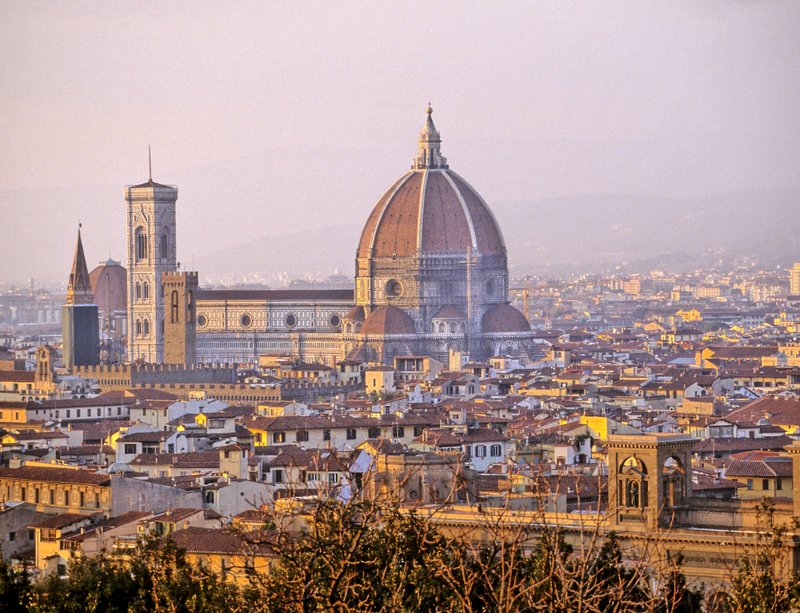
79,289
430,155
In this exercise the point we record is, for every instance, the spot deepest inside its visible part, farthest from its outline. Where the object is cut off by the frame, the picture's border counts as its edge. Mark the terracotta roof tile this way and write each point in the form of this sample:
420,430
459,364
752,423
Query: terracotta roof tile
23,376
214,540
56,475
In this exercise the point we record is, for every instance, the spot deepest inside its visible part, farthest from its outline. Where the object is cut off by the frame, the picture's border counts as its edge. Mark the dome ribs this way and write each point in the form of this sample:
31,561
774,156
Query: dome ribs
396,234
366,243
444,226
487,231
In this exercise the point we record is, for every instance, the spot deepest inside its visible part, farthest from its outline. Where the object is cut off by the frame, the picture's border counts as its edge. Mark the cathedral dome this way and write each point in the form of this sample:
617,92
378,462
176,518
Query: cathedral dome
430,210
504,318
388,319
109,285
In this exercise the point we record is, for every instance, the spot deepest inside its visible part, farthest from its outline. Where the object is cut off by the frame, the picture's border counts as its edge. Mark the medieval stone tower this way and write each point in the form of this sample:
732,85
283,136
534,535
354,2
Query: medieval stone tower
151,244
180,289
649,480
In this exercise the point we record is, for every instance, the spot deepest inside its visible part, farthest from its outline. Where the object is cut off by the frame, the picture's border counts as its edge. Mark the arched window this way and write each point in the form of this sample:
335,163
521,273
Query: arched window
138,327
146,290
146,328
165,244
138,291
632,485
141,244
190,307
173,317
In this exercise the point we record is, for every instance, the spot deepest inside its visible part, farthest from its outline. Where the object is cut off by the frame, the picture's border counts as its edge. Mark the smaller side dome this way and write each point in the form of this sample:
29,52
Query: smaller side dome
388,319
504,318
355,314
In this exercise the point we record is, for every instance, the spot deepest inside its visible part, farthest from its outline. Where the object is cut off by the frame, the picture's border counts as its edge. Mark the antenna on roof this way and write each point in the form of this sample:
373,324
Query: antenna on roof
149,163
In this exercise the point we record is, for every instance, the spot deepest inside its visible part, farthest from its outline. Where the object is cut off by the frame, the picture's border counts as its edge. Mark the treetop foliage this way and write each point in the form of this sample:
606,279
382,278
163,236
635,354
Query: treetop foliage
361,557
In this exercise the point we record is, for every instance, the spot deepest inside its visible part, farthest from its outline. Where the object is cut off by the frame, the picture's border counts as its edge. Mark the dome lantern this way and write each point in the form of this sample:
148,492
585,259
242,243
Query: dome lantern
430,155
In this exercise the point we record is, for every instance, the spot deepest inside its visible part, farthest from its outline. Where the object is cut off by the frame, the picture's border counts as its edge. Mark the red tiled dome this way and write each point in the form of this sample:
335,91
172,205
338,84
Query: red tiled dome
388,319
449,218
109,284
355,314
504,318
430,210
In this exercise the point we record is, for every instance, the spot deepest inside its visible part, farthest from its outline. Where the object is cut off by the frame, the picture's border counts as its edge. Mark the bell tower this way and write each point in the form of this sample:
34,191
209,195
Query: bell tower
151,239
649,479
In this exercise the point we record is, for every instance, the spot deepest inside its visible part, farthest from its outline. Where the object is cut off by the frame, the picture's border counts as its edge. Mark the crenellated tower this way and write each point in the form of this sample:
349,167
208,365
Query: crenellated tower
180,289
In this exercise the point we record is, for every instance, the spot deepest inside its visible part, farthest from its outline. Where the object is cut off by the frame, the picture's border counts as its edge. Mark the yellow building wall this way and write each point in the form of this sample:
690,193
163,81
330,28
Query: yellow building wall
757,491
232,567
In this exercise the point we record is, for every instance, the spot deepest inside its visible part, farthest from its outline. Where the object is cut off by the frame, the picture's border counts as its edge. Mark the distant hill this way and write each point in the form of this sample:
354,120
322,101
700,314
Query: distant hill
582,233
601,232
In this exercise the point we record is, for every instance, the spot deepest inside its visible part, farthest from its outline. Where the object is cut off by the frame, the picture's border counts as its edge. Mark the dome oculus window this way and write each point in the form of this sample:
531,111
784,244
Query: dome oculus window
246,320
335,321
394,289
291,320
202,321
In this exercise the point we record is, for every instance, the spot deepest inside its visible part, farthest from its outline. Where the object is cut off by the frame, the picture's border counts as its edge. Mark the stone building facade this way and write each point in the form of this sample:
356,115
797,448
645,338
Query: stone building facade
431,276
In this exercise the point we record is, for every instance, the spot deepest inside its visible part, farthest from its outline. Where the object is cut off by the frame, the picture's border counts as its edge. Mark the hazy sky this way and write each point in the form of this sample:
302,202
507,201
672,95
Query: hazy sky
269,115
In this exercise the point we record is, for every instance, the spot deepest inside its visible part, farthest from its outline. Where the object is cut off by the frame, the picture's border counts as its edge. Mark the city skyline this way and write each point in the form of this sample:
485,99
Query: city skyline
547,103
405,307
